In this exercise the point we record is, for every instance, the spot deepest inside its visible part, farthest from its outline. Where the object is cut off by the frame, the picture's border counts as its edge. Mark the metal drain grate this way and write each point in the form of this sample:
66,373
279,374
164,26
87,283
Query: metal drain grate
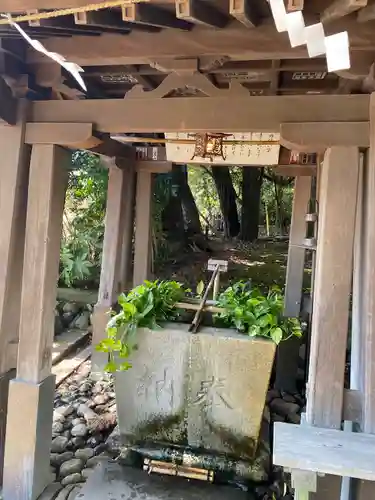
177,470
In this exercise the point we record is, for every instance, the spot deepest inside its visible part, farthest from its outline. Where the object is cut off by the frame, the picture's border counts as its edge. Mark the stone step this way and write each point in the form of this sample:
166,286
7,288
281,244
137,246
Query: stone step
110,481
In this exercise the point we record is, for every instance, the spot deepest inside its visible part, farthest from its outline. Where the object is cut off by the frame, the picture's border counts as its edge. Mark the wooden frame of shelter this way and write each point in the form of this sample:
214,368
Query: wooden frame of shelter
205,69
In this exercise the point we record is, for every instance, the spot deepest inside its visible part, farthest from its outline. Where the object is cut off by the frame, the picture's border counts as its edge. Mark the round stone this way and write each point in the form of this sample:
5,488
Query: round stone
84,454
57,427
78,442
71,307
94,461
57,417
72,479
79,430
59,444
94,441
64,410
57,459
77,421
75,465
101,399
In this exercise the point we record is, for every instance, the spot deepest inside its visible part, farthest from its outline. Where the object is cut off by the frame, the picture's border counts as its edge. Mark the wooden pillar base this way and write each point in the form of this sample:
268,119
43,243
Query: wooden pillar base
100,319
4,391
28,439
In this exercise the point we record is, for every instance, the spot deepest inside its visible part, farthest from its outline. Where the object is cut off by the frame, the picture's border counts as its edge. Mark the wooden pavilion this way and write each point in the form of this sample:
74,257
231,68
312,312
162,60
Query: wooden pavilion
227,69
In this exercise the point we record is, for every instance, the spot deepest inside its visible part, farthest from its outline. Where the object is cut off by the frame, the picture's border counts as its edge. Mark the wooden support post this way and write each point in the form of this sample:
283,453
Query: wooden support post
31,394
142,247
296,253
366,382
13,197
125,277
338,195
368,424
356,355
288,352
115,218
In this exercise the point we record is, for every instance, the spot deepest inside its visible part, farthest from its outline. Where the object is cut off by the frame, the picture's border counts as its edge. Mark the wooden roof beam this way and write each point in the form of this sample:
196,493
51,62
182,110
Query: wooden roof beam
72,135
316,137
341,8
197,11
143,13
245,11
367,13
77,136
216,114
295,170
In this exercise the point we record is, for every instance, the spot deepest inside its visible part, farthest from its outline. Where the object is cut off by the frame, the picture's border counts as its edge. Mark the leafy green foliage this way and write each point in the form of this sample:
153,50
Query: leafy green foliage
83,227
255,314
145,306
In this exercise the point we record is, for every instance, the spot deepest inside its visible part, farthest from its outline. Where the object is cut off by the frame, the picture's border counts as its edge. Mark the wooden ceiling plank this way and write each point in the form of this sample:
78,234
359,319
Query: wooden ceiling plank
245,12
214,114
144,13
367,13
341,8
8,104
197,11
103,18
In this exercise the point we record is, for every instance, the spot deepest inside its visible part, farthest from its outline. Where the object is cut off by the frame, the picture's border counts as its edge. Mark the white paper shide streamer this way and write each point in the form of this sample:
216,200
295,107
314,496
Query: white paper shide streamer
335,47
74,69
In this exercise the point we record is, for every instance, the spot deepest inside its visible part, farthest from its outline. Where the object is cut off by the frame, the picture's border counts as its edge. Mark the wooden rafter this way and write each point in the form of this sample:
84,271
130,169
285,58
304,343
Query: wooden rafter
141,47
197,11
341,8
316,137
216,114
143,13
245,11
103,19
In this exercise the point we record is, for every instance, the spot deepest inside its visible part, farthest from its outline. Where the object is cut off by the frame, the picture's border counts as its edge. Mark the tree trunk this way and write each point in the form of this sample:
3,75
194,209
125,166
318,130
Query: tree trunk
227,197
190,211
251,190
